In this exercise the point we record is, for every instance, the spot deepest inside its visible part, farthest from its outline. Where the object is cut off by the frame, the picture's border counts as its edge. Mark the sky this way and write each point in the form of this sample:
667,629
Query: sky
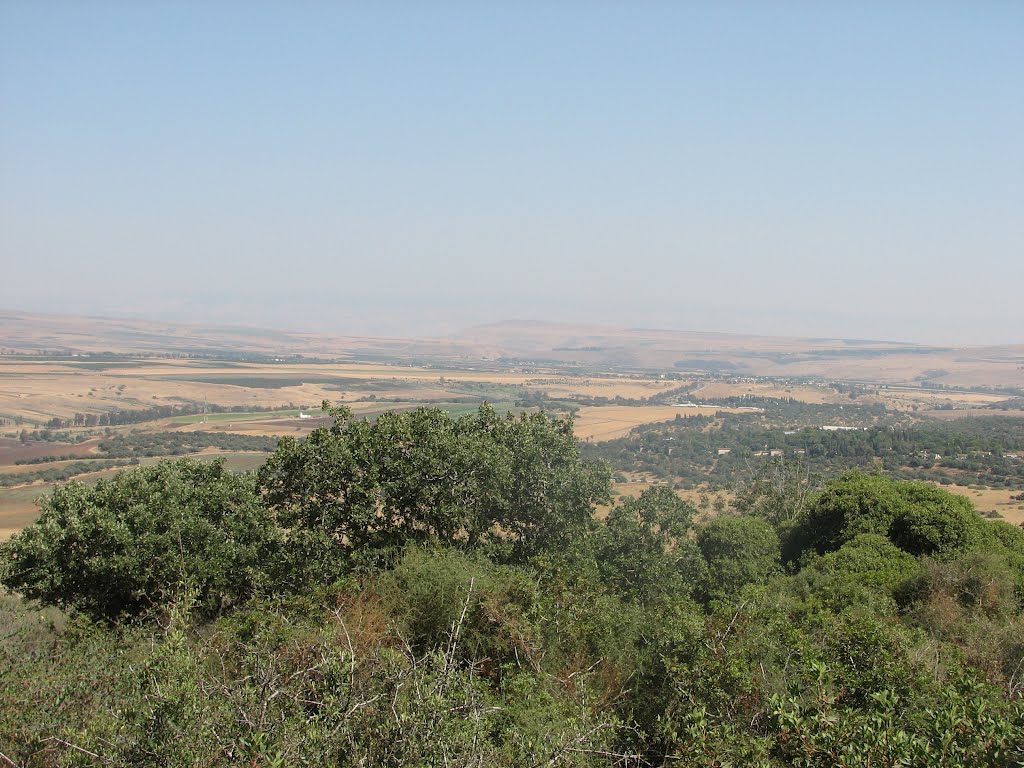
850,169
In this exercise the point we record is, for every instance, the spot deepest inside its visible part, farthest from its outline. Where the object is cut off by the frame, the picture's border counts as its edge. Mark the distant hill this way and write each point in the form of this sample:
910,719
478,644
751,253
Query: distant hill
527,342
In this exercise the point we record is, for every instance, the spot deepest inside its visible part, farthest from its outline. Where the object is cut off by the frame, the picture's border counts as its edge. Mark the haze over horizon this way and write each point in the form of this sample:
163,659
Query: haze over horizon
852,170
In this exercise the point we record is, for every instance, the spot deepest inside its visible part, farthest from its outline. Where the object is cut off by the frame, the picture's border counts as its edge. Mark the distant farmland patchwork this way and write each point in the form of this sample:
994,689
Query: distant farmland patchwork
236,392
218,398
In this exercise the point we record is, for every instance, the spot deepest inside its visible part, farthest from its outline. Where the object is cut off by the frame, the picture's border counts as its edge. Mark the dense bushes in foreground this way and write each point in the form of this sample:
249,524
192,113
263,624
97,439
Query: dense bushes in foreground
429,591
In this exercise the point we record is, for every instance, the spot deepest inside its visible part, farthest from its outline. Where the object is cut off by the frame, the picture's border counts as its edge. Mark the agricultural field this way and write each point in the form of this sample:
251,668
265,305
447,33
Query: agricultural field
937,402
18,508
33,393
44,403
19,504
608,422
989,500
718,389
209,391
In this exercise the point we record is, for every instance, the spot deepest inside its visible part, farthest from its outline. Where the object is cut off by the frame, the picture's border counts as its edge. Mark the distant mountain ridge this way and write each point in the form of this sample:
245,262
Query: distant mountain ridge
525,342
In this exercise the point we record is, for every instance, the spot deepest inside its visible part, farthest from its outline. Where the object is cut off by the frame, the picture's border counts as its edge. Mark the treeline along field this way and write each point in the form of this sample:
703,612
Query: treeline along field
431,590
66,471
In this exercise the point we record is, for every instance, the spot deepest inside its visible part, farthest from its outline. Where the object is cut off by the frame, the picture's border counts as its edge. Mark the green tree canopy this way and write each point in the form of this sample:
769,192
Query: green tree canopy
644,551
868,570
871,560
513,485
145,537
738,551
917,517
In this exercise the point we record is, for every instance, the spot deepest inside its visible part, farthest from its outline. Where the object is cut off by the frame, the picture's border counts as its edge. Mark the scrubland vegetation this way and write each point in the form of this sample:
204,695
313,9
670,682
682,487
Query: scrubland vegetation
425,590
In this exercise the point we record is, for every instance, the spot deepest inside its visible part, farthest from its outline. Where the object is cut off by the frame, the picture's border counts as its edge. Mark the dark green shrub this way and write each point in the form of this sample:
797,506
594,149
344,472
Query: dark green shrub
143,539
917,517
643,552
447,599
738,551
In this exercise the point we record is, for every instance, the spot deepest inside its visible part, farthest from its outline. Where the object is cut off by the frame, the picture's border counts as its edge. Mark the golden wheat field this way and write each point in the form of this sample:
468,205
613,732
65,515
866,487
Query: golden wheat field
611,421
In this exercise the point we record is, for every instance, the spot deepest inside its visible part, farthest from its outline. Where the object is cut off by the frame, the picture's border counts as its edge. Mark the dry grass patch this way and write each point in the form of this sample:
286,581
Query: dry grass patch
610,388
15,514
608,422
12,451
989,499
803,393
634,487
963,413
911,399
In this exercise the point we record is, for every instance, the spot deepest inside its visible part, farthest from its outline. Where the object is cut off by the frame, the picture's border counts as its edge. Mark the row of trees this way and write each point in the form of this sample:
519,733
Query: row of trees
425,590
55,474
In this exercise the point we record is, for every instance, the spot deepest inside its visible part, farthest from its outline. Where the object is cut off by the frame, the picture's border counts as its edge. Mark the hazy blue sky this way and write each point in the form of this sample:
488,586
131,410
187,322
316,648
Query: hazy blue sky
838,168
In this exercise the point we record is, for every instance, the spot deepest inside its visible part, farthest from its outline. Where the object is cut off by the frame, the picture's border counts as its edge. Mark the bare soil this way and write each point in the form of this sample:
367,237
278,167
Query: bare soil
12,451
